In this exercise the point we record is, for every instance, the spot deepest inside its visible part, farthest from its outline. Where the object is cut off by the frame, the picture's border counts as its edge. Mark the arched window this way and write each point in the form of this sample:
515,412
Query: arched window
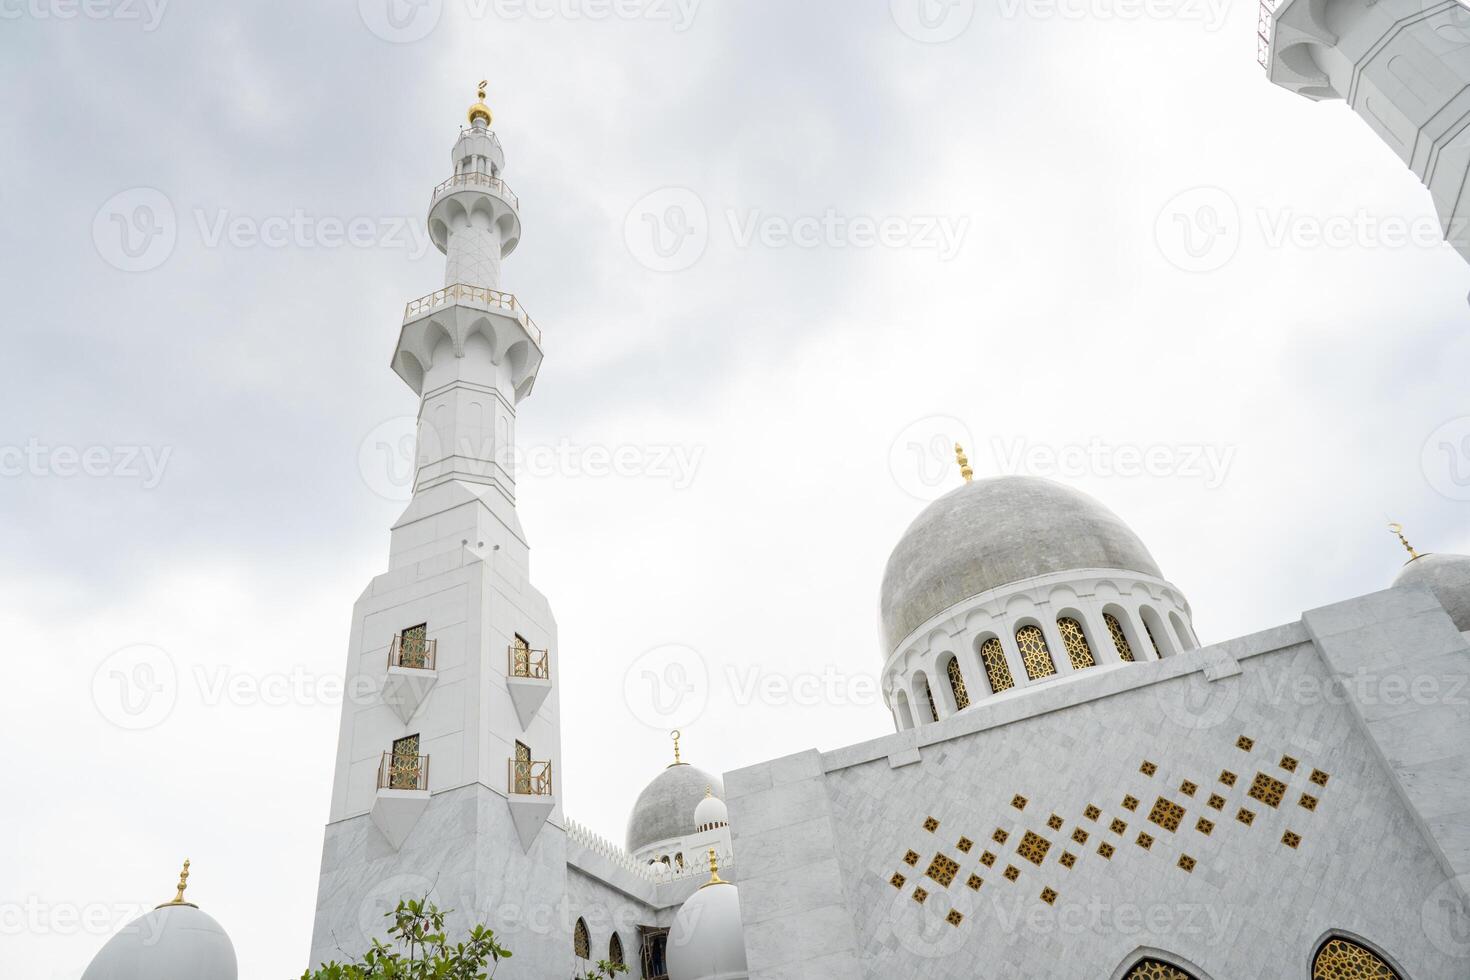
997,671
615,950
1186,639
957,684
581,941
924,698
1034,652
1158,637
1156,970
1342,959
1076,643
905,716
1120,639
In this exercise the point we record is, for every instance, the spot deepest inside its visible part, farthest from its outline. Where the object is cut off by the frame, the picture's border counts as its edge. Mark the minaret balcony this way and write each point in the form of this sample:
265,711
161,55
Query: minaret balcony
477,298
456,312
462,197
529,797
529,664
411,673
529,778
403,795
528,678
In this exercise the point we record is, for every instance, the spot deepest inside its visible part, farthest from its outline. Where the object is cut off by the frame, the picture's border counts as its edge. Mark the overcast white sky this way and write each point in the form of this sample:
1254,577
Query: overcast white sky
1067,313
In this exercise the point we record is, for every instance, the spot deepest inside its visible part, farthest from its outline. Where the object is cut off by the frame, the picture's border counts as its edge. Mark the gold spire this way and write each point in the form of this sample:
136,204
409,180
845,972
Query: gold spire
965,471
714,871
183,883
709,791
676,762
1398,529
480,109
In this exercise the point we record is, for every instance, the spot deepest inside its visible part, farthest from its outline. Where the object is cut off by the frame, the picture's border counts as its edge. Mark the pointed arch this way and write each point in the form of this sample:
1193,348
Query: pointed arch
615,950
1340,956
581,941
1149,963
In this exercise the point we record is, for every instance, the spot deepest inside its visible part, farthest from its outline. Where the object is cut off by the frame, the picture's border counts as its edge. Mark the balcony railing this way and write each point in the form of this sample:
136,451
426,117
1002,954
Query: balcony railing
529,778
403,771
492,299
414,652
530,664
475,179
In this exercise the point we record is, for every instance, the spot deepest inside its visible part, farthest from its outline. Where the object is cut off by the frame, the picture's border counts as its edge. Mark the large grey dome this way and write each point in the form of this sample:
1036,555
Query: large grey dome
665,808
1448,577
994,532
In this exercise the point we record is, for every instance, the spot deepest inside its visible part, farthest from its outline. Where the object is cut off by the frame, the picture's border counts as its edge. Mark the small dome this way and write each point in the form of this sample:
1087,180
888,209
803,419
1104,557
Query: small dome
991,533
706,941
664,809
1448,578
711,812
173,942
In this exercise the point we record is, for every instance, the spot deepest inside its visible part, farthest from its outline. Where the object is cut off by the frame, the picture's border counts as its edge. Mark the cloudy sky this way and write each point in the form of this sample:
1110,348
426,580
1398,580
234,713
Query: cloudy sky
780,251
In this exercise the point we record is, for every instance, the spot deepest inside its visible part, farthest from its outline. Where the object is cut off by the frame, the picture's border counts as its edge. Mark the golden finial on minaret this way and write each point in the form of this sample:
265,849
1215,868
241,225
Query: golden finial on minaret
676,733
480,109
714,871
183,883
1398,529
709,791
965,471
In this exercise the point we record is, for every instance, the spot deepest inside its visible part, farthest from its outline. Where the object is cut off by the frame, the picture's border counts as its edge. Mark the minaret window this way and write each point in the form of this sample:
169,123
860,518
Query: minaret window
615,950
1120,639
413,646
1076,643
957,684
1035,654
523,768
1343,959
403,766
997,671
1153,641
581,941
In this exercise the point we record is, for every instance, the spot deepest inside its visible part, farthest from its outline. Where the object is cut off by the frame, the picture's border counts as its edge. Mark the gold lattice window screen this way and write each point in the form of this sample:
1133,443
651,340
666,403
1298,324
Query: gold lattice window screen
1343,959
1076,643
1034,653
1120,639
957,684
1156,970
996,669
581,942
929,696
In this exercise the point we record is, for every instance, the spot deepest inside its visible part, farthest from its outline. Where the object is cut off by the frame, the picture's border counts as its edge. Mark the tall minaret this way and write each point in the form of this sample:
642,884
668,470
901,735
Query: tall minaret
447,780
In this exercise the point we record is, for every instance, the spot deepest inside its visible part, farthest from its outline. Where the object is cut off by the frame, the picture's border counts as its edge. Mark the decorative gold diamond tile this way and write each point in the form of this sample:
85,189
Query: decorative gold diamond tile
1118,826
1227,777
1079,835
1245,816
1319,777
1145,841
1068,859
955,917
1033,847
931,825
942,869
1188,788
1054,822
974,882
1269,791
1307,802
911,858
1245,744
1148,768
1130,803
1291,839
1217,801
1105,849
1186,862
920,895
965,844
1092,812
1166,814
999,836
1288,763
897,880
1204,826
1019,802
1049,896
987,859
1012,872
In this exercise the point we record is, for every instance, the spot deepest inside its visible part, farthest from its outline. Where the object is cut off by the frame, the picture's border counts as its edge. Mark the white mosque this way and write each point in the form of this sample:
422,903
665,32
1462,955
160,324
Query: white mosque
1076,786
